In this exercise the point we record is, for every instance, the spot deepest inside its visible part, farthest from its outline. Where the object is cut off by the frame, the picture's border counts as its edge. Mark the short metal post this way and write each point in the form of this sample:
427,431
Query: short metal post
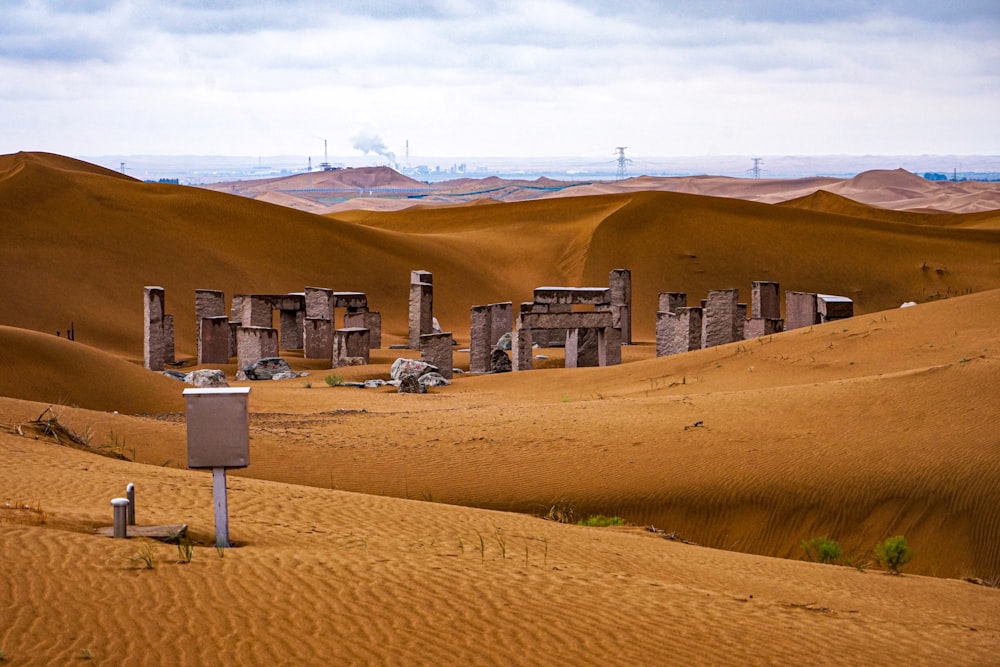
120,506
221,507
130,494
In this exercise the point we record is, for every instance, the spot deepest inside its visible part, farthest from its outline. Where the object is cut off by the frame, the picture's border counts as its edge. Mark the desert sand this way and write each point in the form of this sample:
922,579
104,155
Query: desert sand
378,528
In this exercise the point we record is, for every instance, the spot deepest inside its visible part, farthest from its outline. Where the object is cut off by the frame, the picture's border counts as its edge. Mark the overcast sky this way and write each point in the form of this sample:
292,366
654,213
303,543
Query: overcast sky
500,78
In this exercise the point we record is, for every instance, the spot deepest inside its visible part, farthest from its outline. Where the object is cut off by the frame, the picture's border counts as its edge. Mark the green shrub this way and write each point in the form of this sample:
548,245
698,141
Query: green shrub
601,521
893,553
822,550
334,379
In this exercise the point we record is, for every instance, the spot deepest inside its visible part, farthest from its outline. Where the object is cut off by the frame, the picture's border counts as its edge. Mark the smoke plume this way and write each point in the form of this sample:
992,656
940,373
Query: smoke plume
368,141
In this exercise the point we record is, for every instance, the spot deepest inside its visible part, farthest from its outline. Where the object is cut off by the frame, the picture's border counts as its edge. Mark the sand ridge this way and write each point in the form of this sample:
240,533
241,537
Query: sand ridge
359,520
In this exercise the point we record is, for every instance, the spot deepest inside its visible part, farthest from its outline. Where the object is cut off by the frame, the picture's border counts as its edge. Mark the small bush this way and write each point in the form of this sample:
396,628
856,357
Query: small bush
334,379
601,521
822,550
893,553
561,512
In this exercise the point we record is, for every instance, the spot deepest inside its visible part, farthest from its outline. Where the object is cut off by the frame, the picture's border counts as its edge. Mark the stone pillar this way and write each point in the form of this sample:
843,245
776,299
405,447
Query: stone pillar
582,348
213,344
317,338
480,350
520,349
671,301
800,310
620,284
254,344
678,331
292,323
764,300
609,346
207,303
435,349
350,347
153,344
168,339
366,320
421,306
761,326
719,321
501,321
740,322
257,312
319,303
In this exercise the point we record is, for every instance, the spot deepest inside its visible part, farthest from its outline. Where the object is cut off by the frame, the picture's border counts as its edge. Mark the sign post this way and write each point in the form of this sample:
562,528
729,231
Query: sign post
218,437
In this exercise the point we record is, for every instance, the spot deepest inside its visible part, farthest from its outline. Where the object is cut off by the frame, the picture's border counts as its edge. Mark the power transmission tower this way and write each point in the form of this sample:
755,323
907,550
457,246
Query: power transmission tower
755,170
623,162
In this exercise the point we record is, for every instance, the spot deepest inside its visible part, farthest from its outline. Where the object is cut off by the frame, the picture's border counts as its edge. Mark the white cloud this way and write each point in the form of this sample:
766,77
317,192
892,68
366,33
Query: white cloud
475,78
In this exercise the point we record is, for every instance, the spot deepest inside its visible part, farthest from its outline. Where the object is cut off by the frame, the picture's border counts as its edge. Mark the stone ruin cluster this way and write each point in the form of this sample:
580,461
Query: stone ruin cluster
721,319
592,323
306,322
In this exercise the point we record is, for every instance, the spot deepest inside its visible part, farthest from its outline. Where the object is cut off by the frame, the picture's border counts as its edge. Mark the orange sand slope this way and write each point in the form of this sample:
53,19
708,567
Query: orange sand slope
328,577
860,429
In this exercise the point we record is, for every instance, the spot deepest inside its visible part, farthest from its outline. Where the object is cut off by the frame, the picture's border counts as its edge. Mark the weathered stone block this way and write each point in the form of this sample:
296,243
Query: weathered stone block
620,286
421,319
154,344
764,300
366,320
762,326
520,349
719,319
679,331
573,295
480,350
254,344
501,320
800,310
319,303
591,320
214,343
436,350
350,346
353,300
582,348
669,302
168,339
207,303
292,323
317,339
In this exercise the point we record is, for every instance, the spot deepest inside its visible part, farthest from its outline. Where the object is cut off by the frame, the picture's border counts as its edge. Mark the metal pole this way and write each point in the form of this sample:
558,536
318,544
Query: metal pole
130,494
120,506
221,507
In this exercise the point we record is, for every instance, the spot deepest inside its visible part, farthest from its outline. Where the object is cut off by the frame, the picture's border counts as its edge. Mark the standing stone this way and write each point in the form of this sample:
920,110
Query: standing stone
421,319
207,303
620,292
254,344
671,301
319,303
609,346
257,311
501,321
719,321
168,339
480,349
520,348
366,320
317,338
436,350
292,323
800,310
582,348
764,300
350,347
213,344
740,322
679,331
153,346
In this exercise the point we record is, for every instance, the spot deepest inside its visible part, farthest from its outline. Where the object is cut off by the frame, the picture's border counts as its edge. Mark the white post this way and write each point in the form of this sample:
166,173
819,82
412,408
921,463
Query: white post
130,495
120,506
221,507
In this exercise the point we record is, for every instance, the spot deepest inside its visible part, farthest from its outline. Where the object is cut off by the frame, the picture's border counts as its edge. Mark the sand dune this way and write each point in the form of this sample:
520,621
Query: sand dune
879,425
888,189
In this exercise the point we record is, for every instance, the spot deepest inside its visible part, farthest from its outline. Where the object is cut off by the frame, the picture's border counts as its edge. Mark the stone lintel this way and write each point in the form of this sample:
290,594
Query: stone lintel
573,295
592,320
